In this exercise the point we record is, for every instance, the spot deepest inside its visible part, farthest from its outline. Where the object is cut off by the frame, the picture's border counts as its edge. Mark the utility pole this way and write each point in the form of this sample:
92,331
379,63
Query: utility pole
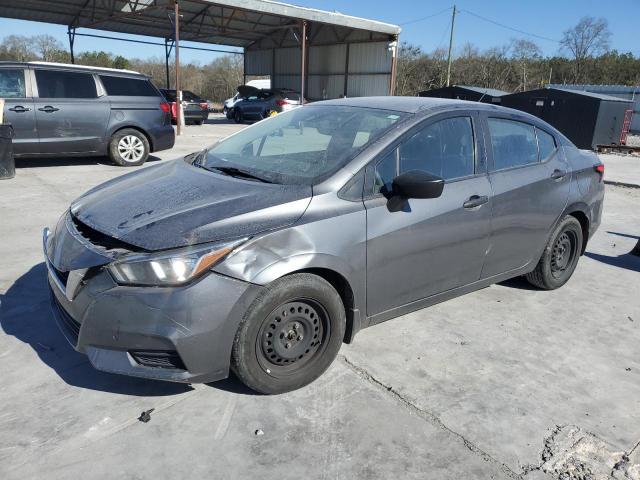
176,23
453,23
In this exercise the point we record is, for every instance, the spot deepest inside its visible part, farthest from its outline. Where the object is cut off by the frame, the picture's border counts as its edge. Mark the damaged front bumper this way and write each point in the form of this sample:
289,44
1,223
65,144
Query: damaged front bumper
182,334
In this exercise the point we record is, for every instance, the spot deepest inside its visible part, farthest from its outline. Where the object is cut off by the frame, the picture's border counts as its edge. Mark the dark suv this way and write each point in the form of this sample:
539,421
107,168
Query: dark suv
68,110
195,108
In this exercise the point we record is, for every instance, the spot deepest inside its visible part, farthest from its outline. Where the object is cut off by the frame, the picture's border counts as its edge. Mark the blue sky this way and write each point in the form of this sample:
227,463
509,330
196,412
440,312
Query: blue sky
545,18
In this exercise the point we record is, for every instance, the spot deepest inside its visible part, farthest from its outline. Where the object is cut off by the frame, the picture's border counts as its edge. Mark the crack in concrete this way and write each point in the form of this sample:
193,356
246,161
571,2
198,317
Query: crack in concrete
428,416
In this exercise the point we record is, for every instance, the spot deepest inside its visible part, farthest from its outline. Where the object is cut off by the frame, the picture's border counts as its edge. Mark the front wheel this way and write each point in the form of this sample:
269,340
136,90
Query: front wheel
129,148
237,115
289,335
560,256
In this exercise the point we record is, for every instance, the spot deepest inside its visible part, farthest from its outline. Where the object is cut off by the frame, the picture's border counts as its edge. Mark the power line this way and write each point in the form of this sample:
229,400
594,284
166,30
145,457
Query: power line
508,27
427,17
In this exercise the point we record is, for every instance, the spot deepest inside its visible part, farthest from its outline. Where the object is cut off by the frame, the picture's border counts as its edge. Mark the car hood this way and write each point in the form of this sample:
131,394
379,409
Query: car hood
176,204
247,90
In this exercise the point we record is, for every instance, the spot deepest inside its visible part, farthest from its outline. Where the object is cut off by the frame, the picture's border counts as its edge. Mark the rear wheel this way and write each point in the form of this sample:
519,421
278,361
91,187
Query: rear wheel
129,147
560,256
289,335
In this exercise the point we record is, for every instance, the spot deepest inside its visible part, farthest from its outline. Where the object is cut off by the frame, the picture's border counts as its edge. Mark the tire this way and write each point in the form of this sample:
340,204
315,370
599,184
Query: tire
237,115
229,114
129,148
198,122
289,335
560,256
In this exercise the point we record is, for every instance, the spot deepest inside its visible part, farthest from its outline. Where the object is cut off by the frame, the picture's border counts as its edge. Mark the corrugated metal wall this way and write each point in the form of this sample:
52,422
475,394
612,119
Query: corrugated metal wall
368,69
620,91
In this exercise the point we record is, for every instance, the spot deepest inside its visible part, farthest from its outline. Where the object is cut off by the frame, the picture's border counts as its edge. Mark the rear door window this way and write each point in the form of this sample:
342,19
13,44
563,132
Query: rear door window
12,83
514,143
127,87
546,144
58,84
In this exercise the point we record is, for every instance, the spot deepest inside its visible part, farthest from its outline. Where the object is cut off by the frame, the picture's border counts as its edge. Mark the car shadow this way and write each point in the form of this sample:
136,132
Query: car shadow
519,283
218,121
626,261
69,161
25,314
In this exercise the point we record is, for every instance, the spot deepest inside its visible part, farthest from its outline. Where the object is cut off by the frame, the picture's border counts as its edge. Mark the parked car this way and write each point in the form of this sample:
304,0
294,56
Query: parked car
196,109
261,84
67,110
268,250
257,104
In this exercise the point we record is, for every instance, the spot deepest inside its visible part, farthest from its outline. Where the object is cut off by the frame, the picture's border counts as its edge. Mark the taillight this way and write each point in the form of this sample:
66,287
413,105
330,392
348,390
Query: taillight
600,169
204,106
164,106
281,103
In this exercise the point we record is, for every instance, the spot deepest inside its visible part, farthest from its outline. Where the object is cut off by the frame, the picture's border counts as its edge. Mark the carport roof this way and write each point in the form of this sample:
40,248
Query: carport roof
238,23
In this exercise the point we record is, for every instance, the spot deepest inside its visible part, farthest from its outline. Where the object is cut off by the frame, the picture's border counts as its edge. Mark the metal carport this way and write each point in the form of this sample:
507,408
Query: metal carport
321,54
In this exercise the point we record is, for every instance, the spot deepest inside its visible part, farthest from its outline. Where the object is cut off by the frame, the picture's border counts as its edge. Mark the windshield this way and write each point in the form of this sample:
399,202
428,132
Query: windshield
302,146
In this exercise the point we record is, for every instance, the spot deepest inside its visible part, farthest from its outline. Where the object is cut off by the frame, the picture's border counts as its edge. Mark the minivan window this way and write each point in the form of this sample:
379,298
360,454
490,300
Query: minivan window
12,83
127,87
302,146
546,144
58,84
514,143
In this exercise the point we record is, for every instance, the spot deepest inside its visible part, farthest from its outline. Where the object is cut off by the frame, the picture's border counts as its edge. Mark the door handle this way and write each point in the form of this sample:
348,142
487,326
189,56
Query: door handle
558,174
49,109
475,201
19,109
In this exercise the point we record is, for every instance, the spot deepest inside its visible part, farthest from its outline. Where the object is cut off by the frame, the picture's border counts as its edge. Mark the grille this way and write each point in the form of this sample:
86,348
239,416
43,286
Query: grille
158,359
99,239
70,325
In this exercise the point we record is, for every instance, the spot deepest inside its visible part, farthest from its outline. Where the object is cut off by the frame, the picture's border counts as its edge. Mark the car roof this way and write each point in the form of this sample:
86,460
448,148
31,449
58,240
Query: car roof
408,104
68,66
426,105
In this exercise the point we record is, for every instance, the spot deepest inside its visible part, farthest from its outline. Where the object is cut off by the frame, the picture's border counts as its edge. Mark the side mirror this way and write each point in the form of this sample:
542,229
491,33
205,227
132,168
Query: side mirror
418,184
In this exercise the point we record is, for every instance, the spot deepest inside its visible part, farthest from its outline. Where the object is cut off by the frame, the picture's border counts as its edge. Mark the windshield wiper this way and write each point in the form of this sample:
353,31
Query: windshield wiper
237,172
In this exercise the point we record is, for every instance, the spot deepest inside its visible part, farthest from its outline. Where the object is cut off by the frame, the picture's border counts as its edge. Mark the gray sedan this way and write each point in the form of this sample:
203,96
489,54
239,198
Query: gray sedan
262,254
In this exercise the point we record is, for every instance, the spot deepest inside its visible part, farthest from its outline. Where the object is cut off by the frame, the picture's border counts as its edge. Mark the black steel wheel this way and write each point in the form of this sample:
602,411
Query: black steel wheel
293,334
289,335
560,256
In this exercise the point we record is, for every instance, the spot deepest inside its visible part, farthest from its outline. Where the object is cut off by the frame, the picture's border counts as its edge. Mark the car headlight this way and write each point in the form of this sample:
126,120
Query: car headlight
170,268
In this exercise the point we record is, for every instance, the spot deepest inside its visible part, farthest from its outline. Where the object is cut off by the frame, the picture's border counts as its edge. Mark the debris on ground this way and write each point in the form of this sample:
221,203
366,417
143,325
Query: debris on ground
571,453
258,433
146,415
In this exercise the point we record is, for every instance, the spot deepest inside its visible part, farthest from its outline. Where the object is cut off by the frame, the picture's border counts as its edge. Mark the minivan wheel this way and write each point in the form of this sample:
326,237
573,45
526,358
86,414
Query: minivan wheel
560,256
289,335
237,115
129,148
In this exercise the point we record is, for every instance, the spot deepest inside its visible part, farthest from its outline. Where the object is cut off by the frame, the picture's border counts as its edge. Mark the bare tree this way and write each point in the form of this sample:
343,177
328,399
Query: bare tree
525,51
590,37
48,48
17,47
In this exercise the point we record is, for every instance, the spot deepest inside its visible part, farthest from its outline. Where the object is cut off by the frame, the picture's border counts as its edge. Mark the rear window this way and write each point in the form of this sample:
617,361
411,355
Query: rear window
546,144
12,83
188,96
128,87
56,84
514,143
